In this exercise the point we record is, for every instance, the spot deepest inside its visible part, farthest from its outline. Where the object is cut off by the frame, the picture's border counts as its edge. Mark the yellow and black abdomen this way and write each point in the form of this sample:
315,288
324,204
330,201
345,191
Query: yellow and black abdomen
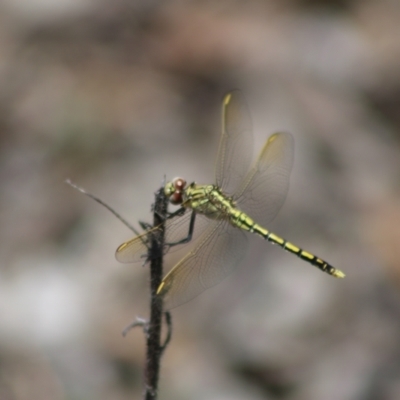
304,255
243,221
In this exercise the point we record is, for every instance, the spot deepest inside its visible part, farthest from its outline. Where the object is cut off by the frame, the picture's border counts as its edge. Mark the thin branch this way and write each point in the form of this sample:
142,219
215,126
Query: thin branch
154,348
96,199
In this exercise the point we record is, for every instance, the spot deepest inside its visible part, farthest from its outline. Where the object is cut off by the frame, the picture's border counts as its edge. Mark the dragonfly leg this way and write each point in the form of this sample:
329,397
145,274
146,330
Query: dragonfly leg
176,213
146,226
189,236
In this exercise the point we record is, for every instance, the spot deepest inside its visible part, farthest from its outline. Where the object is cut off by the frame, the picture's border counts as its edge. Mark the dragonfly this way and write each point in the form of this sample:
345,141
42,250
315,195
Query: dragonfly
245,197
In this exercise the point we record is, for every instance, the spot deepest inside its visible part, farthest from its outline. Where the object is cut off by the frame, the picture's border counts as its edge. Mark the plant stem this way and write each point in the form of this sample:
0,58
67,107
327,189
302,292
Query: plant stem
154,348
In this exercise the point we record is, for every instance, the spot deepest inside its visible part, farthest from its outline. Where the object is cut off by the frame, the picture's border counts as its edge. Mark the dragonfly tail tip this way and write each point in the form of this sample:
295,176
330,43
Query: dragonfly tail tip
339,274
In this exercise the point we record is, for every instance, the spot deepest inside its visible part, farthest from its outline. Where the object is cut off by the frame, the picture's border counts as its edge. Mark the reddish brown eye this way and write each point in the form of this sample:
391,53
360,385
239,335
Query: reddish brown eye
179,183
176,198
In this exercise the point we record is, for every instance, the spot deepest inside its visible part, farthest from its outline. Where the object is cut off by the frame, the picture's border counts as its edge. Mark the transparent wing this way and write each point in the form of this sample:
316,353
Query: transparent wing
236,144
136,249
176,229
264,189
220,250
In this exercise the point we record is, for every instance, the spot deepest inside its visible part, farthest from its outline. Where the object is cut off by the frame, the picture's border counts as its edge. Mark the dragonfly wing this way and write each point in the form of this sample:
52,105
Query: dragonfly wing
236,143
220,250
176,229
265,187
136,249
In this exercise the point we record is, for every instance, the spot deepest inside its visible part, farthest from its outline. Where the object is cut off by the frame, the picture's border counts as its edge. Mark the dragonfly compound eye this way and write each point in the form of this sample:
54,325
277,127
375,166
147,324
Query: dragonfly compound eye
176,197
179,183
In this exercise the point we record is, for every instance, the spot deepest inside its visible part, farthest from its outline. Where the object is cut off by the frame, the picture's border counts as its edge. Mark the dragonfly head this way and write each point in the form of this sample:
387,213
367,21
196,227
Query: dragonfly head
174,190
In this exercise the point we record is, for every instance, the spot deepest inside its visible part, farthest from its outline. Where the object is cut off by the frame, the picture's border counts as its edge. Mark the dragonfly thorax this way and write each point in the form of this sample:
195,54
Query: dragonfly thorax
208,200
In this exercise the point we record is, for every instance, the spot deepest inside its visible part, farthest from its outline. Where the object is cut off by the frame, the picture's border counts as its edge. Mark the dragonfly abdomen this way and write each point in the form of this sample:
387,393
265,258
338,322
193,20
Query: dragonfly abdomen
304,255
243,221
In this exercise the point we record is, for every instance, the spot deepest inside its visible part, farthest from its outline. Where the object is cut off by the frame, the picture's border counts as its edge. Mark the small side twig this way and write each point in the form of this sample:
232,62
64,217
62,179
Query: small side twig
168,321
97,200
144,323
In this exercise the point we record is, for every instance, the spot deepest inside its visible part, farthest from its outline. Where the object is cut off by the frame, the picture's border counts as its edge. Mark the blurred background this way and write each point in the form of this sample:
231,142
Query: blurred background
116,94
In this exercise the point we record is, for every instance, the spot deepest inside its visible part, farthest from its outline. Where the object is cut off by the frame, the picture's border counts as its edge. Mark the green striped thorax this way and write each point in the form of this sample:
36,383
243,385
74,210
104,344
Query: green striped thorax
204,199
